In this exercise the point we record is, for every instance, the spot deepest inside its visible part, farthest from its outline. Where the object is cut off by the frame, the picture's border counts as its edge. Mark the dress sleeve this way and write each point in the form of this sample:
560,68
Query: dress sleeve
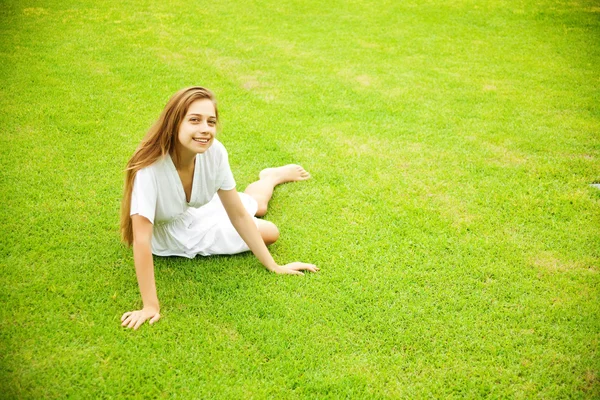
225,176
144,195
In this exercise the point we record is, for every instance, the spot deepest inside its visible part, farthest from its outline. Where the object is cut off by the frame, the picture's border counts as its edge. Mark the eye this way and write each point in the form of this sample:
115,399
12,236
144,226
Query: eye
194,119
212,122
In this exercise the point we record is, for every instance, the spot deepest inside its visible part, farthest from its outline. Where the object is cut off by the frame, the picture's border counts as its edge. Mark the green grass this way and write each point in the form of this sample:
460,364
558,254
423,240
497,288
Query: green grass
451,146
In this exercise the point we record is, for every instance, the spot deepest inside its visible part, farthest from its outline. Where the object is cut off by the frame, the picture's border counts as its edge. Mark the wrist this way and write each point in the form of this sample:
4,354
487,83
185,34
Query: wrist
272,267
153,307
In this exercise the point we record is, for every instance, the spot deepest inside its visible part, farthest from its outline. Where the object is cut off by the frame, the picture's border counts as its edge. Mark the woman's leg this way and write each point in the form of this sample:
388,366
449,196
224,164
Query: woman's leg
268,231
262,190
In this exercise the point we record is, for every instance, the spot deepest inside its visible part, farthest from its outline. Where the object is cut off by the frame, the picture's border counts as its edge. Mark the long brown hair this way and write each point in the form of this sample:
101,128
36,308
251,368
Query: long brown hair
158,142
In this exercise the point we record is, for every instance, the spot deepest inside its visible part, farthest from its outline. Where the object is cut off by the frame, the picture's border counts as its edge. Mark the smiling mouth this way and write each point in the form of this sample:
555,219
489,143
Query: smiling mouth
201,140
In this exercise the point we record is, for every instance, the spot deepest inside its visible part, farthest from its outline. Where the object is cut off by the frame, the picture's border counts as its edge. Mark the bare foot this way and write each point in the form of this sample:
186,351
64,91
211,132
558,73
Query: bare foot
287,173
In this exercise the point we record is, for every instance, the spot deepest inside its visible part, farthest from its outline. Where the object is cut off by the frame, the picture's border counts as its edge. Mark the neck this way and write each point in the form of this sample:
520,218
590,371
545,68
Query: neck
185,160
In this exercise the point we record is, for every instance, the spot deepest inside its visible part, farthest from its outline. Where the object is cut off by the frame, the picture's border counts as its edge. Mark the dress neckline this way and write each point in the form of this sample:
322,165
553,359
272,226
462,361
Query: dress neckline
179,183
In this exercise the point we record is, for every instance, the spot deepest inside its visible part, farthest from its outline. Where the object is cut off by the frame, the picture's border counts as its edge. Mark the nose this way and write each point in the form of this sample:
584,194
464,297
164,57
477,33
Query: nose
204,127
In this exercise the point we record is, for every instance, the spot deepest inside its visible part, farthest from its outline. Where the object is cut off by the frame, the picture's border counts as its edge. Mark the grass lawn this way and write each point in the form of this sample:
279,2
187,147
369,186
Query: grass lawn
451,144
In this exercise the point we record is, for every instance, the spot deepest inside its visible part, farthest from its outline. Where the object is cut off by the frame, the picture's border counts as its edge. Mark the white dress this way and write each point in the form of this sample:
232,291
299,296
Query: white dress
200,226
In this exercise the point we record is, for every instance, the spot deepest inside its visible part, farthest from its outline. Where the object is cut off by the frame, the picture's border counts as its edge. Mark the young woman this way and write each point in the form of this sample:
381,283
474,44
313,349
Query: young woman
180,198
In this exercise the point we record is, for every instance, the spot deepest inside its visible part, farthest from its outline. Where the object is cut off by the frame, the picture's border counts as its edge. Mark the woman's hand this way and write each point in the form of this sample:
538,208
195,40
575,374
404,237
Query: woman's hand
134,319
295,268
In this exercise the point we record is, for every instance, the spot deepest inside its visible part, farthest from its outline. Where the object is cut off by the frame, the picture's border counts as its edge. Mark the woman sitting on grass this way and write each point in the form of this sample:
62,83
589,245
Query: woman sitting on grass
170,205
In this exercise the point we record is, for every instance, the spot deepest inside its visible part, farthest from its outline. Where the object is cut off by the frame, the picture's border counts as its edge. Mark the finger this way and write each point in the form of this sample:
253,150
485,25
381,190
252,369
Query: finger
133,321
139,323
294,272
309,267
155,318
304,266
126,321
127,314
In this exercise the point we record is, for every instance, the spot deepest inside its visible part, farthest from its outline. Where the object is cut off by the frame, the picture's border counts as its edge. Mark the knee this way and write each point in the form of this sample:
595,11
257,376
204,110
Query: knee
262,204
262,210
269,232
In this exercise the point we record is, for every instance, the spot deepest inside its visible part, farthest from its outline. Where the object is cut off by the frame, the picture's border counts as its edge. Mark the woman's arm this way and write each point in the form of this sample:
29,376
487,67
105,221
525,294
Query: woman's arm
245,226
144,269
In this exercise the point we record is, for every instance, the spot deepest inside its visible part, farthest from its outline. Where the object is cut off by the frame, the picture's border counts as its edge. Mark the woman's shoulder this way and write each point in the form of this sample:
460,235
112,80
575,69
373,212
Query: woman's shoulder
218,147
155,167
216,151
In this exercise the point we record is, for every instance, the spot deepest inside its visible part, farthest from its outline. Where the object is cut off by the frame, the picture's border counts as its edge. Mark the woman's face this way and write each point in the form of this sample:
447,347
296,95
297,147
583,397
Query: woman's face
198,128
